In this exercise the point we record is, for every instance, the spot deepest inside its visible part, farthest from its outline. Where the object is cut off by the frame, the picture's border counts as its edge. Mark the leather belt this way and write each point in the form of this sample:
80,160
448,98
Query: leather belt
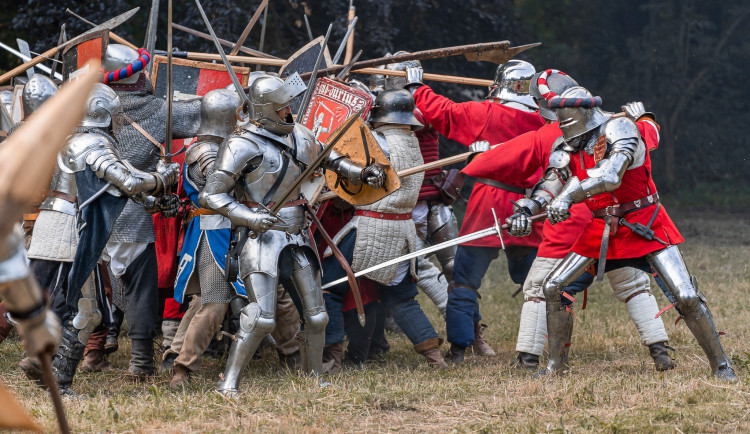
196,212
64,196
30,217
611,216
382,215
501,186
298,202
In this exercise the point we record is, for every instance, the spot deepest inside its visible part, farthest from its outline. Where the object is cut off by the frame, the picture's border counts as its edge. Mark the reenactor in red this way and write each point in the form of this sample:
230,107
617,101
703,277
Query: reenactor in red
603,162
507,112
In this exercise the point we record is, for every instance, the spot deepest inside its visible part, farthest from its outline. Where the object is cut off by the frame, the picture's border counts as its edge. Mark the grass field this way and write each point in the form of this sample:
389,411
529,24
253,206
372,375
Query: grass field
611,387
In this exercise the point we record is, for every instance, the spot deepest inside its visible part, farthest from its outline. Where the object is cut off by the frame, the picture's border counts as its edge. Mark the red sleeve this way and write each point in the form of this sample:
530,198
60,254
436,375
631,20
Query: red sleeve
463,122
518,158
649,133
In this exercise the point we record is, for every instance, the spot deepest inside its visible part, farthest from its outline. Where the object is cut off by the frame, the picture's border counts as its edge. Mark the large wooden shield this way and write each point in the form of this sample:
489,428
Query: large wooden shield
82,49
304,61
191,77
331,104
353,144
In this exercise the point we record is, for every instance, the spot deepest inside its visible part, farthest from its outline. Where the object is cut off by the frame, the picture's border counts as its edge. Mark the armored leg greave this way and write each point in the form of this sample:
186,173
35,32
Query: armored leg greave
559,320
306,279
257,320
670,266
69,354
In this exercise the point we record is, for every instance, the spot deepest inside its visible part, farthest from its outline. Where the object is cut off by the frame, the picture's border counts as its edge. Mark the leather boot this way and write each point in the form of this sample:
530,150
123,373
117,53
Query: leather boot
480,345
142,359
526,361
662,361
179,376
31,367
430,349
456,354
95,361
332,358
168,362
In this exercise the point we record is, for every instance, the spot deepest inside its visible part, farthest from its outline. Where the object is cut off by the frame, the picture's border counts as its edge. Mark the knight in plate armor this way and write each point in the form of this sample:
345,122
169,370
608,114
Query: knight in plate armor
259,162
131,248
88,191
604,163
385,230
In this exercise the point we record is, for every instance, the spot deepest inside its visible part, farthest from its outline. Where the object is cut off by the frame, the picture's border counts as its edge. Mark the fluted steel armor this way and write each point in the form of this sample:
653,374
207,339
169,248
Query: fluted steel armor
37,90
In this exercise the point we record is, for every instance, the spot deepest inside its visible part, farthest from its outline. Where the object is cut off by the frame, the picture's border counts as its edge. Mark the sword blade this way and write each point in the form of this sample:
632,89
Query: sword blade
230,71
26,51
346,39
153,19
445,244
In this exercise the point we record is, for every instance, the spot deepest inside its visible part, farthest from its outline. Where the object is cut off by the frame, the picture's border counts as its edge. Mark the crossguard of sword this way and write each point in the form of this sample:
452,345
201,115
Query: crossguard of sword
498,228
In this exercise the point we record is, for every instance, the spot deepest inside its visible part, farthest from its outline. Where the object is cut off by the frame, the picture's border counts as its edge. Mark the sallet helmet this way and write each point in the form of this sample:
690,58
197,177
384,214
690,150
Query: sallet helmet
119,56
101,106
394,107
578,120
270,94
35,92
557,82
218,111
512,80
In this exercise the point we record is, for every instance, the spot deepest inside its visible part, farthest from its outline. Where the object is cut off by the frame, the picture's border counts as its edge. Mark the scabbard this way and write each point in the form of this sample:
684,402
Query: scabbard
344,264
603,248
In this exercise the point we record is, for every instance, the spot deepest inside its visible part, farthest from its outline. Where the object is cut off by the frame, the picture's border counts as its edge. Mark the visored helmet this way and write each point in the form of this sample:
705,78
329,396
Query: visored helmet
550,80
270,94
101,106
218,111
394,107
512,80
35,92
118,56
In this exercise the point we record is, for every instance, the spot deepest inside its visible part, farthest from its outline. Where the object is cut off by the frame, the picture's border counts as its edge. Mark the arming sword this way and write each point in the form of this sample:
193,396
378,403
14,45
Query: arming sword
495,229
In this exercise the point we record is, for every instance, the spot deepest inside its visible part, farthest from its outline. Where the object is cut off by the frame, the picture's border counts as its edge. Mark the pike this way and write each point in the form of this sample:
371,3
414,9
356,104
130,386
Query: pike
63,37
307,25
350,40
262,33
495,229
112,35
223,42
109,24
248,28
23,46
501,49
170,88
192,55
311,83
27,58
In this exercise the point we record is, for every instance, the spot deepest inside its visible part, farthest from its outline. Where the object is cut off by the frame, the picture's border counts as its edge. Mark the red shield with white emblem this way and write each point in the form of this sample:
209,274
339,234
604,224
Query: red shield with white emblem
331,104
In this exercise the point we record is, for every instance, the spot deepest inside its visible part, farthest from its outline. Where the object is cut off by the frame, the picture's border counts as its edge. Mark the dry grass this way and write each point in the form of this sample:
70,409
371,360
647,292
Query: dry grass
612,386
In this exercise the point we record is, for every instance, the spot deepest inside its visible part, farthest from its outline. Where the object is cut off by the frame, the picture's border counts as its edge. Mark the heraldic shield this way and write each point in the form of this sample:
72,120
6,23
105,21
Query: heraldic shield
359,144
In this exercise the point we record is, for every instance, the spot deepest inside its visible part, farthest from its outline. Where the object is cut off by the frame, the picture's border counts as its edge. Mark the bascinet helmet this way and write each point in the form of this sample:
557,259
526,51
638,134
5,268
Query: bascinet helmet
394,107
101,106
218,110
557,82
397,82
268,95
35,92
119,56
577,111
512,81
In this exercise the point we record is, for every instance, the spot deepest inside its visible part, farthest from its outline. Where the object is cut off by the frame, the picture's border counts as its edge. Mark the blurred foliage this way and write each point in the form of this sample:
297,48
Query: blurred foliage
677,56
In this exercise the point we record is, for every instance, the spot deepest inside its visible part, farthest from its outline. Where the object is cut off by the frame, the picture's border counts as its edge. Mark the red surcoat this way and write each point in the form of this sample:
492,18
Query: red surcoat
466,123
429,146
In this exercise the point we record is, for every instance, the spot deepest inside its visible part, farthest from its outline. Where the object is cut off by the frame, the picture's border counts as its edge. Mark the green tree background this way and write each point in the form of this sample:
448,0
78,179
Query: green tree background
685,59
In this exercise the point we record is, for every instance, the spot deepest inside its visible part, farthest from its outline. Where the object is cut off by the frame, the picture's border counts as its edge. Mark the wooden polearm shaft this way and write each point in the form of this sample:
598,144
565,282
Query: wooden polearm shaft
414,170
278,62
419,55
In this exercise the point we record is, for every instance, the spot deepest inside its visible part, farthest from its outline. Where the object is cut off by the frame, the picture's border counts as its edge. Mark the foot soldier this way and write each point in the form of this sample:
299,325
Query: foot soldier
88,191
526,154
259,162
131,248
384,230
604,163
507,112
